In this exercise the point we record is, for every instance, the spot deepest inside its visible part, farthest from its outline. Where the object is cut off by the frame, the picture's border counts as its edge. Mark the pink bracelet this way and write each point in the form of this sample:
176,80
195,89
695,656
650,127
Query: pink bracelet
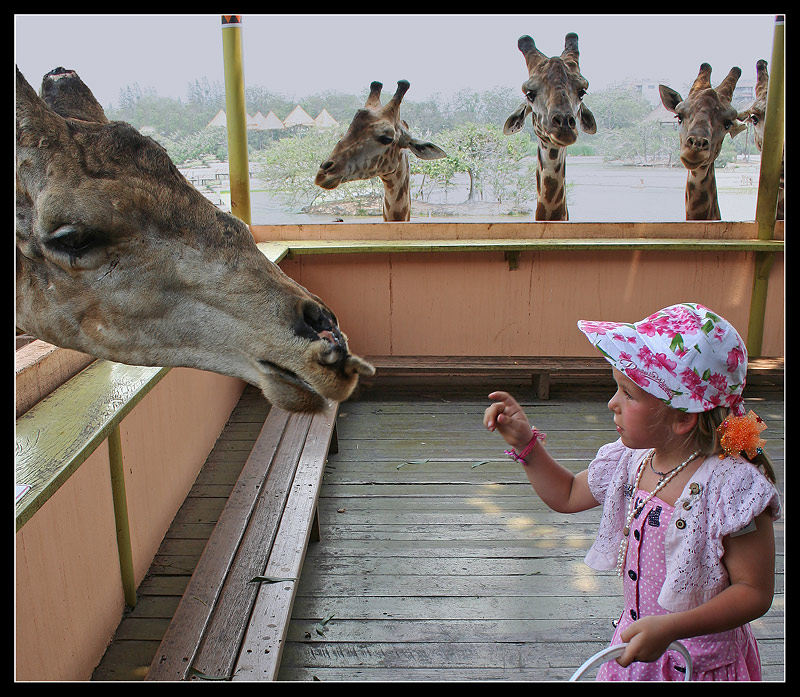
536,436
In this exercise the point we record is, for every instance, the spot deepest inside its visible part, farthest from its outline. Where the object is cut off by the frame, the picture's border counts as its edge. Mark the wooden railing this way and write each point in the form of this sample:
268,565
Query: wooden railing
58,434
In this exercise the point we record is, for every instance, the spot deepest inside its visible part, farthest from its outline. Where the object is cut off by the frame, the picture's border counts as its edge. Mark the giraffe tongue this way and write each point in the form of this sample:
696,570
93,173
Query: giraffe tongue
328,336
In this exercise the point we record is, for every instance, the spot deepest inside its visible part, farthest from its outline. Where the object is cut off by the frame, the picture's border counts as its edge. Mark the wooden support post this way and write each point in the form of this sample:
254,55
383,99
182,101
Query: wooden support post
121,516
768,182
236,116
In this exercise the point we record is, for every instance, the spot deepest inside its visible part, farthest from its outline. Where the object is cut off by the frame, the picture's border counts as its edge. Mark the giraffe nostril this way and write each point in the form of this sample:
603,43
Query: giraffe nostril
326,165
563,121
698,142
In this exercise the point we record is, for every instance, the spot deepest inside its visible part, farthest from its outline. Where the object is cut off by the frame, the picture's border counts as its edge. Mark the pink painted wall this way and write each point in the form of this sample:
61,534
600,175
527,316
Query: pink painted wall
69,597
471,304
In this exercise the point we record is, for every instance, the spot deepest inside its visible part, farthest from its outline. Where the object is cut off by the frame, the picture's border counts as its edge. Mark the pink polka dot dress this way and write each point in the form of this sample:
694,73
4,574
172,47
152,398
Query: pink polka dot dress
731,655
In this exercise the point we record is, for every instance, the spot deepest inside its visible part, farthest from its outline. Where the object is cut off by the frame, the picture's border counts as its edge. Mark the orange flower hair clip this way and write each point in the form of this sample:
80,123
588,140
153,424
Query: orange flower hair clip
741,434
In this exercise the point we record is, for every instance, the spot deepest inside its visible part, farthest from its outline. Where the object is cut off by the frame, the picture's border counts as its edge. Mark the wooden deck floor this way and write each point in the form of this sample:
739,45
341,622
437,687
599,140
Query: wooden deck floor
437,560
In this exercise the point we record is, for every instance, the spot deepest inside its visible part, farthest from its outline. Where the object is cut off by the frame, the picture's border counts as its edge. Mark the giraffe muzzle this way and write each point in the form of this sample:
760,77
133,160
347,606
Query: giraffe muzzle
326,177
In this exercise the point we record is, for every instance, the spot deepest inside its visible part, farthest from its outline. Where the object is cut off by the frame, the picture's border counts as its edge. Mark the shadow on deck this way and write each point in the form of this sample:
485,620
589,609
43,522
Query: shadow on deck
437,560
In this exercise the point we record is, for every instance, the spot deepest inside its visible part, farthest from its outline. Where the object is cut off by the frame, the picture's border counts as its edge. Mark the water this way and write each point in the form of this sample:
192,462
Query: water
598,193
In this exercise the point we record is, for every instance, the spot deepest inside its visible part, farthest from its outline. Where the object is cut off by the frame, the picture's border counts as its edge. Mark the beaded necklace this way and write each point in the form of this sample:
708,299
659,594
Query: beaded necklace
635,510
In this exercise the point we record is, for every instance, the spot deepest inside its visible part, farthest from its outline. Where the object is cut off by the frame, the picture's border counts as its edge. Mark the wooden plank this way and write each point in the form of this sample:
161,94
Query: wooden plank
394,246
554,365
262,645
231,613
418,230
274,251
181,641
543,371
55,436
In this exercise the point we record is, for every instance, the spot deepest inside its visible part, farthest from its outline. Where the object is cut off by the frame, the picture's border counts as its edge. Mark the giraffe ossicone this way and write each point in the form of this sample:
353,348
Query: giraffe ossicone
376,145
554,94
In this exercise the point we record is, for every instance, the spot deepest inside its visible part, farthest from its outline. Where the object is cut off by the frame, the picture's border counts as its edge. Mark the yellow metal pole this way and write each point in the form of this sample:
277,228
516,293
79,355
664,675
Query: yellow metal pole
768,180
124,546
236,116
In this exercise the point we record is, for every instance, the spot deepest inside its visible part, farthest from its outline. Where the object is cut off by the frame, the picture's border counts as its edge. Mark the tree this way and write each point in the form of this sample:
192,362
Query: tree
489,158
616,107
288,167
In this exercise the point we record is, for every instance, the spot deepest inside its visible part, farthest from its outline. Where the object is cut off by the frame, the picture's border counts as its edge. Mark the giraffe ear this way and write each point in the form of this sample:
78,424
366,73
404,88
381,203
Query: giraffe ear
737,127
425,150
36,123
516,121
588,124
669,98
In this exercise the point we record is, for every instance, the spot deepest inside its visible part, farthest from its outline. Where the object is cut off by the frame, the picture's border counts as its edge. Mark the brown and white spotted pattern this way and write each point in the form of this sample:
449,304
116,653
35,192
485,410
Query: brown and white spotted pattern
756,114
553,93
705,117
376,145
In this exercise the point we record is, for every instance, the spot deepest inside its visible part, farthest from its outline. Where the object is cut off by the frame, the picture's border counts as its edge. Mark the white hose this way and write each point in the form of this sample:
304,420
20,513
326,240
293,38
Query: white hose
616,651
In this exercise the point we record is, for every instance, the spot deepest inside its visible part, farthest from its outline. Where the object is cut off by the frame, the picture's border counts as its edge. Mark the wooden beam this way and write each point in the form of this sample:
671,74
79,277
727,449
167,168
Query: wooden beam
298,247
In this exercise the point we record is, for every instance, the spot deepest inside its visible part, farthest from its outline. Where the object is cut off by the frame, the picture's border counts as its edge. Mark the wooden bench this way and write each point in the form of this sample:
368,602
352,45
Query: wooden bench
232,619
541,370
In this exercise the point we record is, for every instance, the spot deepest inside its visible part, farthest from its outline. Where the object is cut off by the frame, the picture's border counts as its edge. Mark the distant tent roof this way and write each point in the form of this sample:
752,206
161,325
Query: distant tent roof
250,122
257,122
272,122
325,120
219,120
298,117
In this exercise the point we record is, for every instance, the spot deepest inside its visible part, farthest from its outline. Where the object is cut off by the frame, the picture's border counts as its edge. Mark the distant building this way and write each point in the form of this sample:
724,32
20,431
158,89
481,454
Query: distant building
648,89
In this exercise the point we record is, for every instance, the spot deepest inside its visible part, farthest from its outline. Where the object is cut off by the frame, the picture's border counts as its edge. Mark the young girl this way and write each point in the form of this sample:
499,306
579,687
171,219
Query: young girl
688,496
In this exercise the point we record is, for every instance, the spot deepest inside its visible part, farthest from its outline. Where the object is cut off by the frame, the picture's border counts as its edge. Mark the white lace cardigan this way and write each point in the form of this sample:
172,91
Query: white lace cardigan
730,494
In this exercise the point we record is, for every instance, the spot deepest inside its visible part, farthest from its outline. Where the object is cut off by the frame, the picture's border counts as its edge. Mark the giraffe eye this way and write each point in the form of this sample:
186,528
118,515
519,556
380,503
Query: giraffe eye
581,94
727,125
73,247
753,119
385,140
530,95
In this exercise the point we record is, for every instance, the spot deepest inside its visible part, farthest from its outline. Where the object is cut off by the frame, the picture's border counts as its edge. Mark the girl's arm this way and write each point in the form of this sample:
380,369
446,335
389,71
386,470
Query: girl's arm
557,486
750,561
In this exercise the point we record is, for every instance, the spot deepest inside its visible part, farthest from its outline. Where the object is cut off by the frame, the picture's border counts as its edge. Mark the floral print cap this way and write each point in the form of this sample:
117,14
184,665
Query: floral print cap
686,355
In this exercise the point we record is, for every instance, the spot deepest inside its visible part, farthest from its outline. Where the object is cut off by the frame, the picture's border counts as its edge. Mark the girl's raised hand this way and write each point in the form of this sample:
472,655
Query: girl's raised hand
506,417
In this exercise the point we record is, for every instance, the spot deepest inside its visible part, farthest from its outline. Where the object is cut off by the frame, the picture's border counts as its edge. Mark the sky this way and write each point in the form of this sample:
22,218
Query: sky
300,55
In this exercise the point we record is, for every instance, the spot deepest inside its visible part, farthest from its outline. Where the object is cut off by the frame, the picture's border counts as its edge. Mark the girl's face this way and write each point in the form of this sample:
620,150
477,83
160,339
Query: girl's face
638,415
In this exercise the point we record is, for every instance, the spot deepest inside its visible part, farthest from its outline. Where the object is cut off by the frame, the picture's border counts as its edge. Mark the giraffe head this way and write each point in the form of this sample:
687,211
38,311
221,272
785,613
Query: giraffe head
374,144
756,112
553,93
705,117
120,257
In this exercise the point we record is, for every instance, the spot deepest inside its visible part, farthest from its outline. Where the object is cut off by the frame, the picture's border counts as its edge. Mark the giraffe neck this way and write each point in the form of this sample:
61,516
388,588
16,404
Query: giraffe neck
701,194
397,192
551,193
